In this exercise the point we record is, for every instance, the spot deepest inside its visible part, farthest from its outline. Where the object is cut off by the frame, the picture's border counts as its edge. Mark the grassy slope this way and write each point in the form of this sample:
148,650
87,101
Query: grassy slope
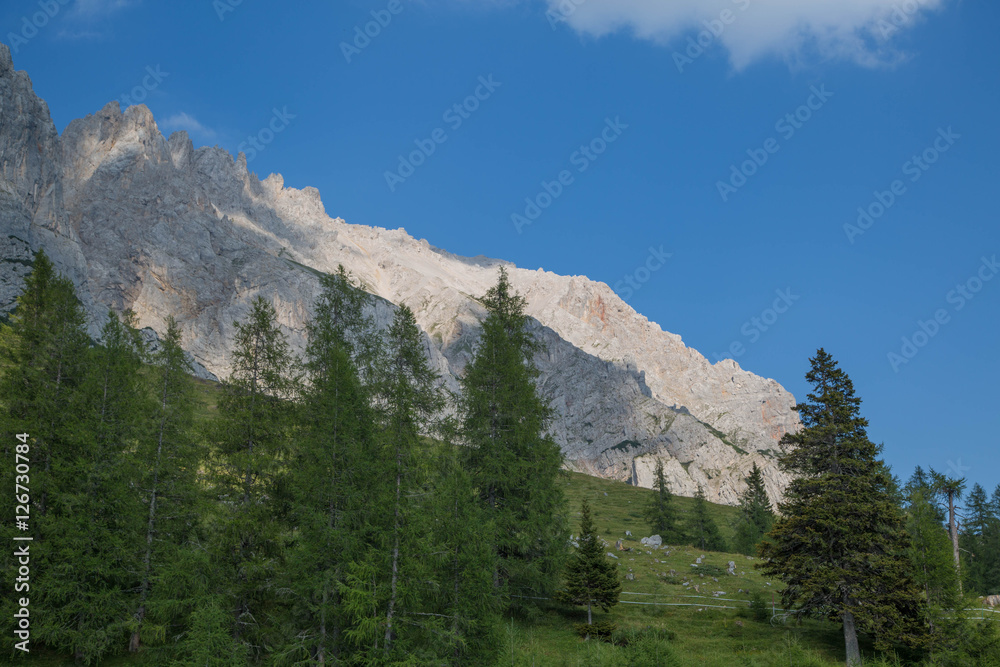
705,635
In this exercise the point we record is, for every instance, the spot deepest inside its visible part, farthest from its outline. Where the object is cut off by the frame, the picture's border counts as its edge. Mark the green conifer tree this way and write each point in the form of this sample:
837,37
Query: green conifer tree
840,544
93,517
169,493
591,577
979,543
331,473
250,437
701,529
409,402
661,512
513,463
755,516
466,607
930,553
43,357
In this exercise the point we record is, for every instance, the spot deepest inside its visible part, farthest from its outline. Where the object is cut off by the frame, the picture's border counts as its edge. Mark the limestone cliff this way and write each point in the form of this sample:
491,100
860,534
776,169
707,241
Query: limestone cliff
151,223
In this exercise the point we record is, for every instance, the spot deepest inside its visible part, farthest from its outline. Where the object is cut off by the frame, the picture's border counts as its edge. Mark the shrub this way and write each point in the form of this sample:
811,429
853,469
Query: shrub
603,630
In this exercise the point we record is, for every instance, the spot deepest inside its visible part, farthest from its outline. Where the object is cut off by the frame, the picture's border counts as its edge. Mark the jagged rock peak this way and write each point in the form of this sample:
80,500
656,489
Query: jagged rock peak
142,222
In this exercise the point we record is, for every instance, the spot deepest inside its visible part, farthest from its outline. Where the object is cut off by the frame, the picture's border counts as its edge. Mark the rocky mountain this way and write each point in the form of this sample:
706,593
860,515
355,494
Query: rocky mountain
150,223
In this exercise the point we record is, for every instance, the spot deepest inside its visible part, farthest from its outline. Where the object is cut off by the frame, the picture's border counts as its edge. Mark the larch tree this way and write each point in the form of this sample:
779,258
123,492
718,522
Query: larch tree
409,402
950,489
169,492
930,553
840,543
331,471
94,518
250,436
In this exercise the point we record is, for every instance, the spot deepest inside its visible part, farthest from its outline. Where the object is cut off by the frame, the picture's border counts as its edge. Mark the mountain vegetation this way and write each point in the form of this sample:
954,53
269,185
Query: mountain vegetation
342,509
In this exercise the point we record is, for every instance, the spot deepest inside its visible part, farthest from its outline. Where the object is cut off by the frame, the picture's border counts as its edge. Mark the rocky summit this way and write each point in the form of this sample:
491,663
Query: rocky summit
150,223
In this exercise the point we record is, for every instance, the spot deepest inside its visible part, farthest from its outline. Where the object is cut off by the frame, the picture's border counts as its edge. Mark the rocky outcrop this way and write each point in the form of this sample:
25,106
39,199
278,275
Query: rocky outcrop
151,223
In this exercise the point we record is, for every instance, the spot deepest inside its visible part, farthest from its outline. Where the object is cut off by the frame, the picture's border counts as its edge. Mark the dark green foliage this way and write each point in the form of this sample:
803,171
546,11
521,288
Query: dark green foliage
840,543
43,355
170,496
932,565
466,603
603,631
980,541
331,473
700,529
661,513
409,400
756,516
210,640
93,518
251,441
591,577
950,490
514,465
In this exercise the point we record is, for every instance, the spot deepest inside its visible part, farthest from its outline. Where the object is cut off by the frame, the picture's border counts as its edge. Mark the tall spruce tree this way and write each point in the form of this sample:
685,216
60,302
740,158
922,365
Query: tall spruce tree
840,544
94,517
169,493
701,529
331,472
755,516
513,463
661,513
591,577
251,441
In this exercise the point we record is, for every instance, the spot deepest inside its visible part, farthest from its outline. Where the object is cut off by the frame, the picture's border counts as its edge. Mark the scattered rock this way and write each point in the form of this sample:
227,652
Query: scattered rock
732,567
652,541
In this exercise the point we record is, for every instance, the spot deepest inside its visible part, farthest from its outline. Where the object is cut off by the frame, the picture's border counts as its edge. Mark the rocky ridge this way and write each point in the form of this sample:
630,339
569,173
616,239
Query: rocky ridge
150,223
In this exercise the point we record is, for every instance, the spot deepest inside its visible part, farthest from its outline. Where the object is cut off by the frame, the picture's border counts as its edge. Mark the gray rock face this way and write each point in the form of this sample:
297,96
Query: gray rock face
150,223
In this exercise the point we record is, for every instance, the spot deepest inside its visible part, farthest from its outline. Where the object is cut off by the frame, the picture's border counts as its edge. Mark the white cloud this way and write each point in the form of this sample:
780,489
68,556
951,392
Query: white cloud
188,123
858,30
93,8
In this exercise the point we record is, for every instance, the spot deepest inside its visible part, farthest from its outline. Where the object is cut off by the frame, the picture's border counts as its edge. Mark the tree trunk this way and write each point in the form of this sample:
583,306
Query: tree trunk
851,641
395,554
133,645
953,529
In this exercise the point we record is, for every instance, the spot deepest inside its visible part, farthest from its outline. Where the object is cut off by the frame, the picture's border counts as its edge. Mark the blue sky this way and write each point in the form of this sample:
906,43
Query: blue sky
705,164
